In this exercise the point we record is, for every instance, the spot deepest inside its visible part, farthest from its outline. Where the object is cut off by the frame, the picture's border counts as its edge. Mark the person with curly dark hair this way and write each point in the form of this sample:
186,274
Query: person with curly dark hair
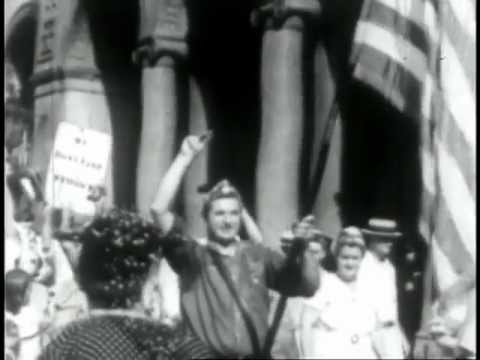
118,250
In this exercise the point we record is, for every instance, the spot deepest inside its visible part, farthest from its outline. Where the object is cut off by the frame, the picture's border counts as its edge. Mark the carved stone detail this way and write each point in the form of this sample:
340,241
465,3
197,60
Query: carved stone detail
63,38
163,32
47,31
285,13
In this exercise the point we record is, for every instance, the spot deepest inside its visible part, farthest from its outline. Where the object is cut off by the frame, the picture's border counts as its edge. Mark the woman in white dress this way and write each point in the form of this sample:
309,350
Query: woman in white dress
338,321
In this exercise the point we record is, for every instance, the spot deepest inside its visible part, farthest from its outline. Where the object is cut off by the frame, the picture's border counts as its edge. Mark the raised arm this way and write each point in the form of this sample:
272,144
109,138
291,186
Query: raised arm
160,209
297,274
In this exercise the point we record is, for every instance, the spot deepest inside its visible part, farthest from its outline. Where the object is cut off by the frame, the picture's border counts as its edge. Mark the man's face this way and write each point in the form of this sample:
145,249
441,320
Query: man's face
348,262
223,219
382,247
317,250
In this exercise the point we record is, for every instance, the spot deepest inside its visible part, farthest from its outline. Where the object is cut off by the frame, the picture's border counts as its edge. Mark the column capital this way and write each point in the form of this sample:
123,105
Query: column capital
163,32
285,13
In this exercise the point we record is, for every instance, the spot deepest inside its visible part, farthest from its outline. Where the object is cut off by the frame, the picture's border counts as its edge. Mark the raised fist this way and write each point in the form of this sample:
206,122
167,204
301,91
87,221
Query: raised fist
299,235
304,228
192,145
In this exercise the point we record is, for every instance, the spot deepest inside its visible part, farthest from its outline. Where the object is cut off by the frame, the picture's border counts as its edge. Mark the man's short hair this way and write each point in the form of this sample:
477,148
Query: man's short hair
221,190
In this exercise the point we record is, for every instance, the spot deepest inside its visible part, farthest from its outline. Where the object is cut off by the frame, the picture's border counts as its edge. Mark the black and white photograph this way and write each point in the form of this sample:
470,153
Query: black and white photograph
239,179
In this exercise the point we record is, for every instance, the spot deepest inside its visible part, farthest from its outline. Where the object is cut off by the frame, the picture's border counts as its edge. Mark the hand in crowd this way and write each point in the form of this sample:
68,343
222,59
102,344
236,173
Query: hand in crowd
301,232
192,145
64,223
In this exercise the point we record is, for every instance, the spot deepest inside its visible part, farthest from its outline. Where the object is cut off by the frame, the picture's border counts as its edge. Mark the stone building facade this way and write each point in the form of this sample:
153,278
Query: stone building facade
149,71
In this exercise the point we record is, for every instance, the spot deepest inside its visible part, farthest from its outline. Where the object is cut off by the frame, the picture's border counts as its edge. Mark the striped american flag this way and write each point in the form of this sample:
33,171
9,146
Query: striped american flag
420,55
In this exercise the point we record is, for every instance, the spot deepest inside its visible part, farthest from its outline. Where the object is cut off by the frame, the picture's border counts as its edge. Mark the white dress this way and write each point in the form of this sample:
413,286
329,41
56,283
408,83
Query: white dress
338,322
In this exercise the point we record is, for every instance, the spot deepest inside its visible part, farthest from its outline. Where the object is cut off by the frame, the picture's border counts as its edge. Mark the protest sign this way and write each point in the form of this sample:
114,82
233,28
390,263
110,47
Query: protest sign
78,162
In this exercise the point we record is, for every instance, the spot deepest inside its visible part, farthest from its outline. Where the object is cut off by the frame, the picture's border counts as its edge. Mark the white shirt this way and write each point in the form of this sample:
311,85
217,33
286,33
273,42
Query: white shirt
28,322
377,279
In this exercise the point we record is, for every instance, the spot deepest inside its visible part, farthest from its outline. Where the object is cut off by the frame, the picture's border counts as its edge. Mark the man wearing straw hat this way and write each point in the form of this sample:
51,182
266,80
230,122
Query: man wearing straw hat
377,277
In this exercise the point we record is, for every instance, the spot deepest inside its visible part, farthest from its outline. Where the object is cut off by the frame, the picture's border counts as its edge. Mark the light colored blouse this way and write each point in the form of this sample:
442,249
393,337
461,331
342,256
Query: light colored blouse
337,322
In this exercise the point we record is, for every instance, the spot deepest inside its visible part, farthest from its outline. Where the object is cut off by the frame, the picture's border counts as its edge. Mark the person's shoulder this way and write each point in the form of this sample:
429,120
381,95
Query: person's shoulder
329,280
368,264
368,257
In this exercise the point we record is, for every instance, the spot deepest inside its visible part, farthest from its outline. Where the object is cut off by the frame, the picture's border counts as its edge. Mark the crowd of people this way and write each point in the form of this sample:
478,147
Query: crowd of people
89,287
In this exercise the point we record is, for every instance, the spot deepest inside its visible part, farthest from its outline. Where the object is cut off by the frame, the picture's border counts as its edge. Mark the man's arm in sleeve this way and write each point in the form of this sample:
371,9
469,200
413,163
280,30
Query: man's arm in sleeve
170,184
292,276
177,248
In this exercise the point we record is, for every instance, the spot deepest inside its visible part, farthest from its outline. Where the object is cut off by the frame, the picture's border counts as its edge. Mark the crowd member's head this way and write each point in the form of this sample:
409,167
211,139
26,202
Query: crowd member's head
17,289
380,235
222,212
319,246
118,250
348,251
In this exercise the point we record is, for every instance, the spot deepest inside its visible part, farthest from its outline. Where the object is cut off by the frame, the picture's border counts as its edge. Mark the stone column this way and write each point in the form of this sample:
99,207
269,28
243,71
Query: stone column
282,91
327,141
162,45
66,79
163,30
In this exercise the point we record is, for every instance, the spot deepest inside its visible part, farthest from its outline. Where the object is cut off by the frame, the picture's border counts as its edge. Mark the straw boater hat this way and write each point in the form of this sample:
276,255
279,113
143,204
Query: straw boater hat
383,228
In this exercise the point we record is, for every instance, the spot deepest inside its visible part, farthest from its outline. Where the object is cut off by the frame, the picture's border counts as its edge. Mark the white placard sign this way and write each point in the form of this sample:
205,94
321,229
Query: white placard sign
78,161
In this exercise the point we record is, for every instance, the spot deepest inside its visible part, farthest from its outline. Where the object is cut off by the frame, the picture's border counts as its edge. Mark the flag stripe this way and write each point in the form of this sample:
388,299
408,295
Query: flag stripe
444,276
464,13
461,153
458,96
428,173
394,46
390,79
463,45
446,234
423,15
384,16
457,198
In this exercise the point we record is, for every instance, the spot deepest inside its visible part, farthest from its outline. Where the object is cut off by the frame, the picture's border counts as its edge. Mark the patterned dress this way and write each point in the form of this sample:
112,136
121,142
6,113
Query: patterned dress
120,337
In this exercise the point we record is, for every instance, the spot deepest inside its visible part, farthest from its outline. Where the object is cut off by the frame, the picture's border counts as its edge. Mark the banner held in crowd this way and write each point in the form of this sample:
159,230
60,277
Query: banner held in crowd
77,164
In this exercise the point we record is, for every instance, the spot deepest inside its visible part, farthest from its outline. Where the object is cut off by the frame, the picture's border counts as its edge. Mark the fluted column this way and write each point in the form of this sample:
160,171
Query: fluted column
282,92
162,45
